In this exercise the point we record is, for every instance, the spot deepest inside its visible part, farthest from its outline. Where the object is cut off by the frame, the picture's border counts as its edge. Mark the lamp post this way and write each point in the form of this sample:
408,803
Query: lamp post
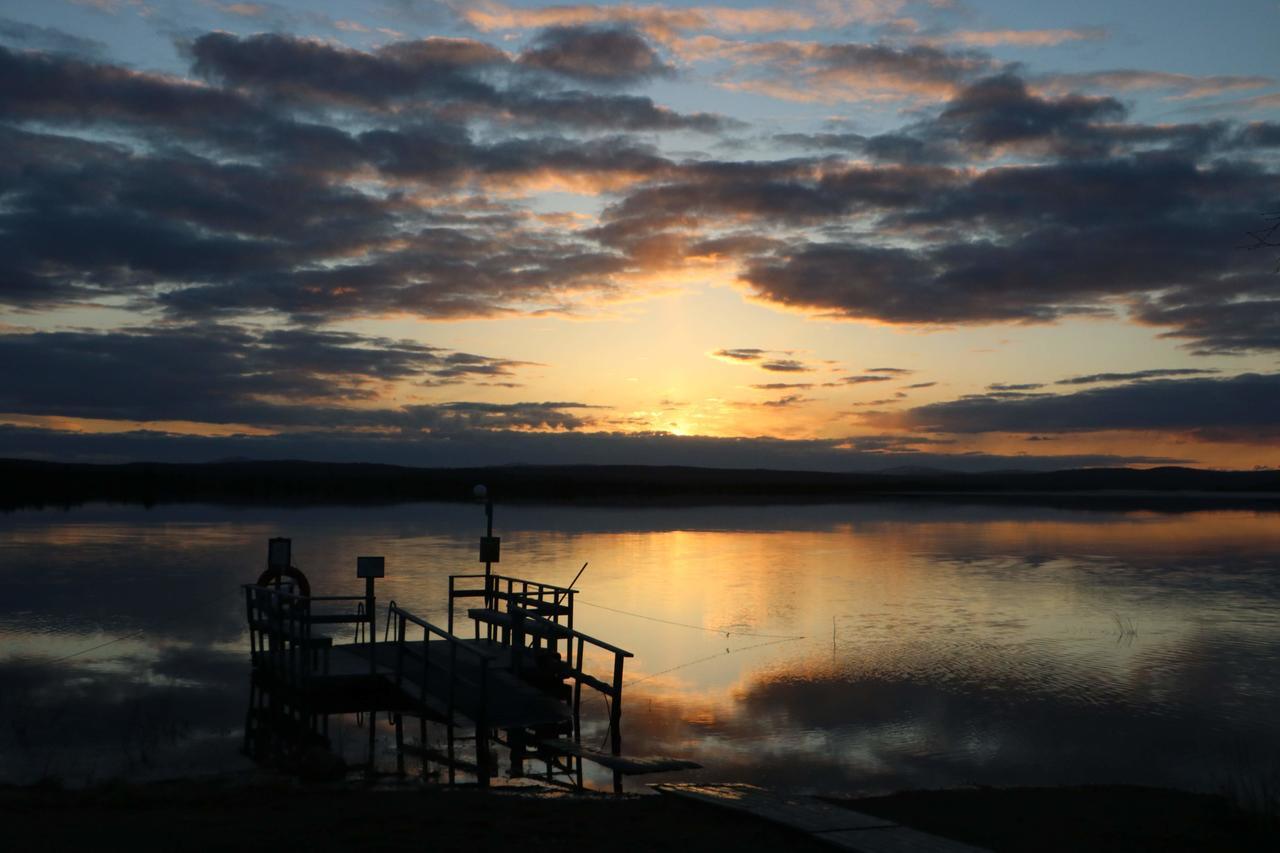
490,546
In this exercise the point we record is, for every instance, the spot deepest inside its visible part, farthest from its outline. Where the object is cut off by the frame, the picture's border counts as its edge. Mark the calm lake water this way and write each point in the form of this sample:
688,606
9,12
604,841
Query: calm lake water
857,647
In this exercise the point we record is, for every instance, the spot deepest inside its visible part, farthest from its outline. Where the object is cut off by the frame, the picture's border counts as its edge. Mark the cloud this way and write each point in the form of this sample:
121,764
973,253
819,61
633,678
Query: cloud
293,68
471,416
245,10
788,401
666,23
1178,85
431,76
764,359
785,365
280,378
883,401
605,56
1021,386
741,354
35,37
1242,408
1021,38
782,386
490,447
922,199
1000,111
461,366
350,252
207,238
1235,318
851,71
1037,243
863,378
1095,378
293,184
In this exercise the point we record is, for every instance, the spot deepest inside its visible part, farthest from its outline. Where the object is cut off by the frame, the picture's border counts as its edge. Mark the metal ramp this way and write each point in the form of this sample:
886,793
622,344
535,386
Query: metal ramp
839,827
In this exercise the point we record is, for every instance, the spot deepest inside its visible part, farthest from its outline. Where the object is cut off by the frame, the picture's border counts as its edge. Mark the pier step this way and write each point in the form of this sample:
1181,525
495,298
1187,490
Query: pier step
440,756
534,626
625,764
839,827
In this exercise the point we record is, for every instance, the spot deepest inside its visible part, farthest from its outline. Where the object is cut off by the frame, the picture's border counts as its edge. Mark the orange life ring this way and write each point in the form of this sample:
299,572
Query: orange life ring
293,573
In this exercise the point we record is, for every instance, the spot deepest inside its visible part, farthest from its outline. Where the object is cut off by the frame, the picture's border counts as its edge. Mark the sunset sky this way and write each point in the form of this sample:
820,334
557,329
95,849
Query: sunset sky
833,235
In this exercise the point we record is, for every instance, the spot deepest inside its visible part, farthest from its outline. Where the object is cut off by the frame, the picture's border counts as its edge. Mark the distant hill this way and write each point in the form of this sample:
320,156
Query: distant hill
32,483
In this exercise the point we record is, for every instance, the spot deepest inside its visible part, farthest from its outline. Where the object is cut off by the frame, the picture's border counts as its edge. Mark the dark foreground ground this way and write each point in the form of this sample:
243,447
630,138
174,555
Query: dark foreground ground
1090,819
195,816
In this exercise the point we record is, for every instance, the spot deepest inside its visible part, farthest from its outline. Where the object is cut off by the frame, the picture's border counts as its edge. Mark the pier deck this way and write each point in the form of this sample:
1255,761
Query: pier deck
509,702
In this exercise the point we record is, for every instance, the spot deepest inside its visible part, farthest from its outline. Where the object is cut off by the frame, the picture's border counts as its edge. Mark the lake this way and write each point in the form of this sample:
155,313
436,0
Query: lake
860,647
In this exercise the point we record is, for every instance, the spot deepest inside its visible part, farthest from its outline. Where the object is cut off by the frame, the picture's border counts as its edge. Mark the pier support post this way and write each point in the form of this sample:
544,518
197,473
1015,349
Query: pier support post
400,744
615,719
482,755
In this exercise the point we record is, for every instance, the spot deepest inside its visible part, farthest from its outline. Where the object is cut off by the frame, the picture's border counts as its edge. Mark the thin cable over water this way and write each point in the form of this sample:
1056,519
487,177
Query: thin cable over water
714,657
217,602
695,627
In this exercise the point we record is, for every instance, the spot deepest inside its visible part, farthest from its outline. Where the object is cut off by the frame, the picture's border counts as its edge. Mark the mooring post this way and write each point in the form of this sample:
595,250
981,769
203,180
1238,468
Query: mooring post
371,568
615,719
370,602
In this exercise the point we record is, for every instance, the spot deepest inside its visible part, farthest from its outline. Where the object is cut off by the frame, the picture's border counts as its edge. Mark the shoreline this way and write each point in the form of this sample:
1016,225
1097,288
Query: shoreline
34,485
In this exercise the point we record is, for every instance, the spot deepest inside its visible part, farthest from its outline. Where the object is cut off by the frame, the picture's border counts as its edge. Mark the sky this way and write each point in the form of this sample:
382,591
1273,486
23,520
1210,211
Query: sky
826,234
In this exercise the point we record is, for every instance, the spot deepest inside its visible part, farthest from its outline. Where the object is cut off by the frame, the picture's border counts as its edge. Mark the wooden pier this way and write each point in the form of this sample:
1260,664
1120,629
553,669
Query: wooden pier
516,682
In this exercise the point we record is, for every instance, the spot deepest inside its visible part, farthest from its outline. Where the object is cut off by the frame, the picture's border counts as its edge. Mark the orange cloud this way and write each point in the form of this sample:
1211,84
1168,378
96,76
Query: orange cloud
814,72
1020,38
665,24
105,426
1180,86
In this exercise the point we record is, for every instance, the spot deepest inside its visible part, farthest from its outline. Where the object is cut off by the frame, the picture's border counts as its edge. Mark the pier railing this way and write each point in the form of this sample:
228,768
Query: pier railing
517,610
281,636
419,656
547,600
466,670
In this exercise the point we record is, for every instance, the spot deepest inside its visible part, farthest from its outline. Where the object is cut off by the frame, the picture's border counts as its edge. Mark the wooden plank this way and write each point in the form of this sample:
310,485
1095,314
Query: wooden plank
625,764
530,602
534,626
591,681
804,813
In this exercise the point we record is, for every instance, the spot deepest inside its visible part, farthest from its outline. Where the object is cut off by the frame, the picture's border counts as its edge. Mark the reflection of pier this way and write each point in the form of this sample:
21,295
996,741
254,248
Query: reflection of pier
518,682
